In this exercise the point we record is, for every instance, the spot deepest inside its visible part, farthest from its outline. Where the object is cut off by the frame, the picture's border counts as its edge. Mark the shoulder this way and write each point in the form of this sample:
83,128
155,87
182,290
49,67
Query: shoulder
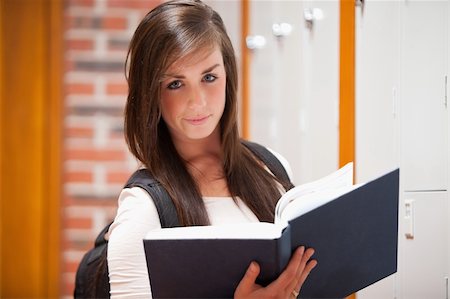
267,155
135,209
134,196
284,162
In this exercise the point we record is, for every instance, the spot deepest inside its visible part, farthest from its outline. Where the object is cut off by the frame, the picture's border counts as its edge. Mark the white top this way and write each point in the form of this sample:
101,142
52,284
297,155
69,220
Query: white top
137,215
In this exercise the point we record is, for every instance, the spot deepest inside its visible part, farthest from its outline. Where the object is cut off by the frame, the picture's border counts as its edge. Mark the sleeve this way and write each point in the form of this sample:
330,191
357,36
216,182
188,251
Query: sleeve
136,215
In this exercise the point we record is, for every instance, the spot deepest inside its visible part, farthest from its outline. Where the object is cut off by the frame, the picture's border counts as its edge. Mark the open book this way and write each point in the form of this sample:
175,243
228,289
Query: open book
353,229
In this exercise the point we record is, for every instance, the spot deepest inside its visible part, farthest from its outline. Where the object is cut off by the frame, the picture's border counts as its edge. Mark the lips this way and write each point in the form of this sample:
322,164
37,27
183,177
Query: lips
197,120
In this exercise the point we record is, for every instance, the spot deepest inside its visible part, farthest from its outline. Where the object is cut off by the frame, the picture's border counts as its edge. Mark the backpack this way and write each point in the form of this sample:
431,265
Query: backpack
92,280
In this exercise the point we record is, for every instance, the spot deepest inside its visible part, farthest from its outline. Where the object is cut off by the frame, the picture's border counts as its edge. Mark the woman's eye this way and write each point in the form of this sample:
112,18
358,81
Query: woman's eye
209,78
174,85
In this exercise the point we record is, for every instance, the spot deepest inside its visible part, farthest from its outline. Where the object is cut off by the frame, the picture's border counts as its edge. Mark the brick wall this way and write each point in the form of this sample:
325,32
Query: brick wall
96,160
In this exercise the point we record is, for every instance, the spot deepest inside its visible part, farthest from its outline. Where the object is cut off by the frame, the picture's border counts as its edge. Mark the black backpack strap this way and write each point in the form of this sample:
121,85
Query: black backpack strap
92,280
272,162
164,205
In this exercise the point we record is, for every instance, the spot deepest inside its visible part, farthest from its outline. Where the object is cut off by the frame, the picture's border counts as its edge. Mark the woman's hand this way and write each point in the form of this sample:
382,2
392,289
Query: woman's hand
287,285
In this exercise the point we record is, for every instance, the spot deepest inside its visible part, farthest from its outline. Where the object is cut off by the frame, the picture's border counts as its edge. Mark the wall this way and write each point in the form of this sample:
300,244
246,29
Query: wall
96,162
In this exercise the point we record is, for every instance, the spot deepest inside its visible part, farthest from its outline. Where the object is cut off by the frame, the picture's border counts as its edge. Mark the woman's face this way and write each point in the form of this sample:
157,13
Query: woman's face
193,95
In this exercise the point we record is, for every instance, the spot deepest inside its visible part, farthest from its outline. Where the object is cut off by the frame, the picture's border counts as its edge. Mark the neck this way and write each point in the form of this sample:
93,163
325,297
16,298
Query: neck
191,150
204,161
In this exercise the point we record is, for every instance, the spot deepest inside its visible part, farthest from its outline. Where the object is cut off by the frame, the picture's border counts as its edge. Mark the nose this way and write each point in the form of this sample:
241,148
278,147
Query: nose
196,97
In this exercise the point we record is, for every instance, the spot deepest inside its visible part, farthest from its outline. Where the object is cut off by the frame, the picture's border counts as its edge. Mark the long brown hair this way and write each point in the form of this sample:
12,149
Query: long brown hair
173,30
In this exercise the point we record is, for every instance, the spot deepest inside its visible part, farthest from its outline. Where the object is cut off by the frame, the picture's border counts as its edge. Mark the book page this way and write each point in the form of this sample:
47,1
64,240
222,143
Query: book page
254,230
311,201
342,177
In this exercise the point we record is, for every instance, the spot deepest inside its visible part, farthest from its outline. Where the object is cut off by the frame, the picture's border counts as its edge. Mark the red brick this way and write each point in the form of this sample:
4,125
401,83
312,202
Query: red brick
78,132
80,44
80,245
78,177
117,88
70,22
66,244
71,266
108,205
69,66
116,135
78,222
114,23
68,287
95,155
118,177
80,88
136,4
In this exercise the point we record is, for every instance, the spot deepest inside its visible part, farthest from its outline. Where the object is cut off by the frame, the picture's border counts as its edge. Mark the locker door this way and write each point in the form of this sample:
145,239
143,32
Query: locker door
424,257
377,115
377,67
294,84
424,145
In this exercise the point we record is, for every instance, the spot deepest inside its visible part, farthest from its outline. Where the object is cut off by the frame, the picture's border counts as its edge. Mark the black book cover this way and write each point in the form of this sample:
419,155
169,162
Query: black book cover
211,268
355,240
354,237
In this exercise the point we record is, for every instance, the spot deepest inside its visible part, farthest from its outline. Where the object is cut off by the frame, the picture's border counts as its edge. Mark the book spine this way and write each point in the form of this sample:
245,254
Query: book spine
276,259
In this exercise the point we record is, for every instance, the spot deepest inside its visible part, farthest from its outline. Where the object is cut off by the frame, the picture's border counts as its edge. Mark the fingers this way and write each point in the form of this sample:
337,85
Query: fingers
308,266
287,284
301,258
288,277
304,267
247,283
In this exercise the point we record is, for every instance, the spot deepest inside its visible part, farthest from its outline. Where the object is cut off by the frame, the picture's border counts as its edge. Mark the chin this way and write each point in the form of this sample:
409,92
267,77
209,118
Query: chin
200,134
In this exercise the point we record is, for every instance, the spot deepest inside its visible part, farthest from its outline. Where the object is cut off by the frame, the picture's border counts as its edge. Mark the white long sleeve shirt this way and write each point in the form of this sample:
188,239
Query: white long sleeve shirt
136,216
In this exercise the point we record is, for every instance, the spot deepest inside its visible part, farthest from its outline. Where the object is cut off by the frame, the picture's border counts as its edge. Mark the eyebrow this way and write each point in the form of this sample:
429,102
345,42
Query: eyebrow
169,75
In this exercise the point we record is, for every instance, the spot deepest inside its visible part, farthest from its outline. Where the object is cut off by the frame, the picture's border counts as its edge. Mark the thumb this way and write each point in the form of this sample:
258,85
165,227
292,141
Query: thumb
248,281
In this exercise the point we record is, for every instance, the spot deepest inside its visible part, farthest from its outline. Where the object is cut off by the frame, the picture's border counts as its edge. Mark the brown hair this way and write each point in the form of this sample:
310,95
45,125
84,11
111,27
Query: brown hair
173,30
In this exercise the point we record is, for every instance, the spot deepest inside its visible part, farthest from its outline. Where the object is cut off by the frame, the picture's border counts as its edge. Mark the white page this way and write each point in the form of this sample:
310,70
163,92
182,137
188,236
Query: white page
254,230
342,177
311,201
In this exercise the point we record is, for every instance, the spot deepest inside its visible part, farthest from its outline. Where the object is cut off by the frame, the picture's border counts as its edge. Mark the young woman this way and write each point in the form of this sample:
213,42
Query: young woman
181,123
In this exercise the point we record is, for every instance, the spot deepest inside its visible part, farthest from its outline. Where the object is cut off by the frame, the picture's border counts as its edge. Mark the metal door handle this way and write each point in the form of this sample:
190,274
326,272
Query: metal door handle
281,29
311,15
255,42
